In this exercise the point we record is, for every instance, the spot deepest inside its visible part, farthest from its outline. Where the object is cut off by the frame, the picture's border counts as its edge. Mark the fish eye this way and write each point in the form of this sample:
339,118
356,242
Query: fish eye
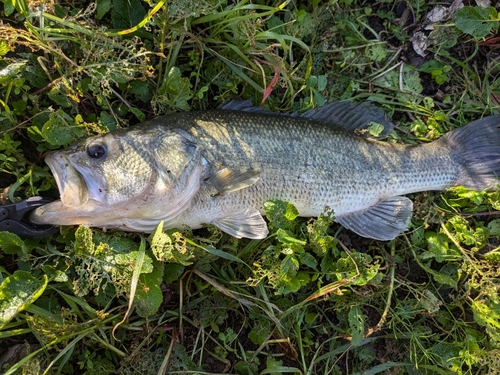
96,151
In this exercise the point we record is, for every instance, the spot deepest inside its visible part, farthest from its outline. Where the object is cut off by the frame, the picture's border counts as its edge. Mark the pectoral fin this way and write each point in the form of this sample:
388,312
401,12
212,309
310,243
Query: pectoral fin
384,221
248,223
227,180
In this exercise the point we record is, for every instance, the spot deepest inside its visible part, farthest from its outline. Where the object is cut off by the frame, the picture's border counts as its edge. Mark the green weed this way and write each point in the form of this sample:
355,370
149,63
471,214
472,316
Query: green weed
309,299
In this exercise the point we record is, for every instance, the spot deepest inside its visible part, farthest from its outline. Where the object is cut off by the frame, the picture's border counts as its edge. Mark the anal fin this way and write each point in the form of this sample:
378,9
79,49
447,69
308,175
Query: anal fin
383,221
248,223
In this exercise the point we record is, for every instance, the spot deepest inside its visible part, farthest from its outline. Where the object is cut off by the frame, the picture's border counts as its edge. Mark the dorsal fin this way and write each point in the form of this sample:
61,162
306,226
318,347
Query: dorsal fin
347,115
242,105
352,116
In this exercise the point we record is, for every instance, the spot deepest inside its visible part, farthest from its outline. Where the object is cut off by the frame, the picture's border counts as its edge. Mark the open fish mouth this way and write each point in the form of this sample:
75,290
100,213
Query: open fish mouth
70,182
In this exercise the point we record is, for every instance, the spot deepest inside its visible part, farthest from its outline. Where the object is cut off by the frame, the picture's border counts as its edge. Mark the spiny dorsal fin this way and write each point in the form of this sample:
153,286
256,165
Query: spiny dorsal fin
227,180
383,221
344,114
248,223
242,105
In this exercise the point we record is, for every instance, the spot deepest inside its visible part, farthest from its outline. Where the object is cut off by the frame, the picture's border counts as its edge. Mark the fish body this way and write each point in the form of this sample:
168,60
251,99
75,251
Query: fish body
220,167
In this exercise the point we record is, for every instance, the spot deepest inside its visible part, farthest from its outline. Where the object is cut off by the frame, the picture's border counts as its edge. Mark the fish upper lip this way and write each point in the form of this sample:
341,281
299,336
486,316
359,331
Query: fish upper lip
72,187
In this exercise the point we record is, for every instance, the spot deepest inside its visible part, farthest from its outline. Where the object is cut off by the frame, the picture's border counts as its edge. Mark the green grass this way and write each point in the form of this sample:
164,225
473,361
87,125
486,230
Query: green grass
310,299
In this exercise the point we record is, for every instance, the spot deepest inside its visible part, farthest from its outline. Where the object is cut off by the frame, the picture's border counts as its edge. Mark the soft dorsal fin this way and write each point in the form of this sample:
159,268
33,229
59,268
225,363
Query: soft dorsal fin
345,114
227,180
383,221
248,224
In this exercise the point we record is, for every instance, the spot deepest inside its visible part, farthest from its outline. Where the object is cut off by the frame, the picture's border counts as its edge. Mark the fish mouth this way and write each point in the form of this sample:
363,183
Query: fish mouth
74,206
71,184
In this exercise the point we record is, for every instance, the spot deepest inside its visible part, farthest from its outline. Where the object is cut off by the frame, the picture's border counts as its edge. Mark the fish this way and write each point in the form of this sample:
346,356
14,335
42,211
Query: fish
220,167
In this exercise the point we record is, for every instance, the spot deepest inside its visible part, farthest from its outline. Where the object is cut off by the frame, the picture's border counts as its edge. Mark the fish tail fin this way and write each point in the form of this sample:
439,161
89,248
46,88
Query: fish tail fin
476,147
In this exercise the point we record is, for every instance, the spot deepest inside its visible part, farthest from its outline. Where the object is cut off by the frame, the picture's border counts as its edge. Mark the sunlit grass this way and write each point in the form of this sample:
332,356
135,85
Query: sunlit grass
310,299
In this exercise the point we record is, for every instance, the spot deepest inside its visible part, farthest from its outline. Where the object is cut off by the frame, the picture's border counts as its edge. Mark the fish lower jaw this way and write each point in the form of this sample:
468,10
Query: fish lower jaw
94,214
57,213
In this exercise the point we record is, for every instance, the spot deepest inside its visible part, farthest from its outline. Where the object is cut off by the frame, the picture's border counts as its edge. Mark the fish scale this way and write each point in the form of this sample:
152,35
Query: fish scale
220,167
334,178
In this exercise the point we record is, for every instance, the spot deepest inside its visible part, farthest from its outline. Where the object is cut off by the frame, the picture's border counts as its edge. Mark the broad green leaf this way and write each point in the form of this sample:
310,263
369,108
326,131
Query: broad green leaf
109,121
140,89
172,272
291,212
246,368
411,80
322,82
10,243
312,81
439,247
35,130
19,106
8,7
430,302
4,48
103,7
494,227
158,239
17,292
149,296
61,129
36,76
493,256
293,285
278,369
440,277
170,248
138,113
127,13
303,277
55,274
476,21
20,5
375,129
431,66
487,314
83,241
289,268
128,260
466,234
8,73
446,352
308,260
260,332
175,91
280,213
287,237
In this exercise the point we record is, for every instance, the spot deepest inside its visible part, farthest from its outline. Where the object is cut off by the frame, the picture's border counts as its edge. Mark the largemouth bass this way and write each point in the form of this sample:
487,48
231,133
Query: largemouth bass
220,167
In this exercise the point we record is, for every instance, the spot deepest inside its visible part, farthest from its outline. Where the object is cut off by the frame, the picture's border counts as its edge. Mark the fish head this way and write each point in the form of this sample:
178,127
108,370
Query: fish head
107,170
108,181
